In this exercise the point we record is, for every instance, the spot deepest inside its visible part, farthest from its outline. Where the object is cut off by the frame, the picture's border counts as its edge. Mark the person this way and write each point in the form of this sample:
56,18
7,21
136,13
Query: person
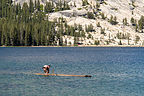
46,68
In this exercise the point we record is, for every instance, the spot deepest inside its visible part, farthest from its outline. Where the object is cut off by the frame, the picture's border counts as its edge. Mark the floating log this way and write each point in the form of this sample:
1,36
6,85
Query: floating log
63,75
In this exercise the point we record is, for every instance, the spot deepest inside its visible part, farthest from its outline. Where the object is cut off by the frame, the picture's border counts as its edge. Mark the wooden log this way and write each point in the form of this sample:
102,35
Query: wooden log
63,75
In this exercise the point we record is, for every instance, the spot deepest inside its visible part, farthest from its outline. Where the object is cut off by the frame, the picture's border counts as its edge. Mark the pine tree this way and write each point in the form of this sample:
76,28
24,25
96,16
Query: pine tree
113,21
125,21
83,33
102,31
120,43
38,5
71,31
136,28
5,34
10,2
18,9
1,8
97,6
98,24
48,8
67,7
31,6
132,20
61,41
25,12
141,23
60,5
64,5
90,28
90,15
97,42
103,16
41,8
80,27
3,14
84,2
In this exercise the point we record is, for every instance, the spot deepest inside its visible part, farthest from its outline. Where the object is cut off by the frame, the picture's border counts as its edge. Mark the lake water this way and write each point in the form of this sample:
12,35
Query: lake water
115,71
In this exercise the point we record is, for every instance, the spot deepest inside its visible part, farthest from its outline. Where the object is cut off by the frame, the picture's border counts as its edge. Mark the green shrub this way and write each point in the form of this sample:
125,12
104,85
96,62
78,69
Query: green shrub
90,15
97,42
79,8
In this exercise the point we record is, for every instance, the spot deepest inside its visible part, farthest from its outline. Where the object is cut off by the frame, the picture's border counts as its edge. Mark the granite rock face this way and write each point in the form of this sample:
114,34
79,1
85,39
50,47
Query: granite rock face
120,9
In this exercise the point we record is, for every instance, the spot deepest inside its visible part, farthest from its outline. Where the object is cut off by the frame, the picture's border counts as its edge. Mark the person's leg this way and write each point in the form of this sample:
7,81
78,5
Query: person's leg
45,71
48,70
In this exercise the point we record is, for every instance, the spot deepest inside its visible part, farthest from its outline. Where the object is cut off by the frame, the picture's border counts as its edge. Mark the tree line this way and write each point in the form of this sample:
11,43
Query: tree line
28,25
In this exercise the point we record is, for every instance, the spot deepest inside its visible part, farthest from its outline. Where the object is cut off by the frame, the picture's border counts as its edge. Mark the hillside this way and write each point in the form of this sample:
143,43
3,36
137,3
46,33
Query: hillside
105,22
120,8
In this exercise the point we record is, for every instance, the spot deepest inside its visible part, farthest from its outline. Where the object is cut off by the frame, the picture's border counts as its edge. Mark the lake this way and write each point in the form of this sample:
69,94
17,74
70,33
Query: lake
115,71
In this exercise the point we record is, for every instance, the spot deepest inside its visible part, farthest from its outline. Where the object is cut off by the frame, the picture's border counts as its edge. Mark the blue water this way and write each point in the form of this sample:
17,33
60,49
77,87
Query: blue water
115,71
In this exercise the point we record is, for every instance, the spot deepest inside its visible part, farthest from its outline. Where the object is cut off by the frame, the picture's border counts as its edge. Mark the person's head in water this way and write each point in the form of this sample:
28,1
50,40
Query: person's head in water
46,68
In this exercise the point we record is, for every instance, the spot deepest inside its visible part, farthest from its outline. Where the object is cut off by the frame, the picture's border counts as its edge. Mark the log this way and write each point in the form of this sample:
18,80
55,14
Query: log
63,75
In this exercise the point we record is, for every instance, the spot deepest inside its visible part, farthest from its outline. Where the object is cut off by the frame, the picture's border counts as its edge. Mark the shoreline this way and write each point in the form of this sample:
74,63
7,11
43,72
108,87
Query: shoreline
84,46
